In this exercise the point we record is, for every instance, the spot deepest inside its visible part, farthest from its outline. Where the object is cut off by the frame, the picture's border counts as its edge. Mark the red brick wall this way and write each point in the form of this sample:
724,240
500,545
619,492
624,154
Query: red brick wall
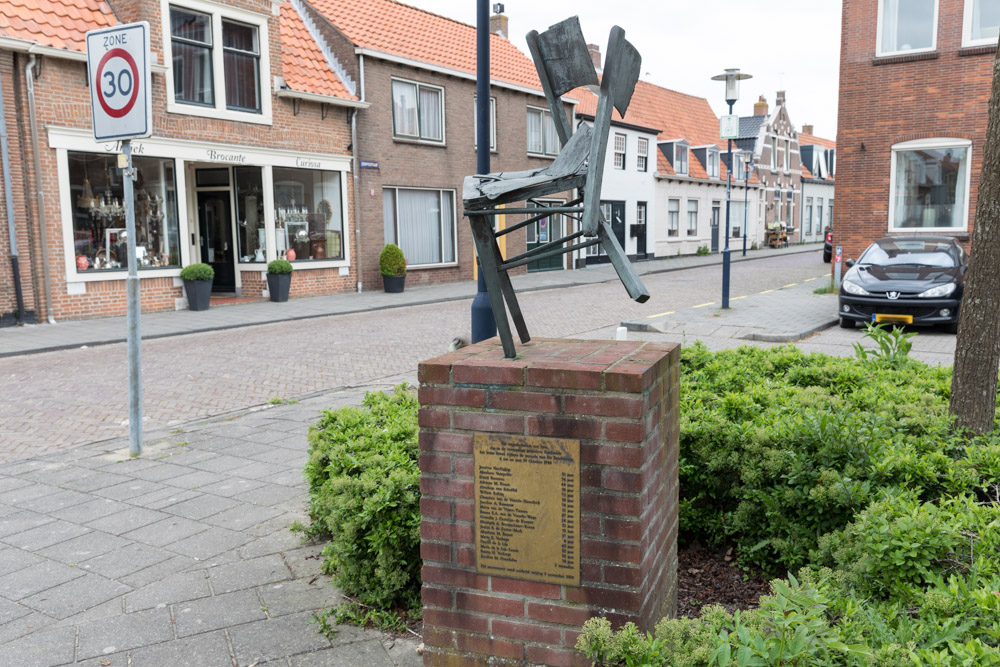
891,100
62,100
621,401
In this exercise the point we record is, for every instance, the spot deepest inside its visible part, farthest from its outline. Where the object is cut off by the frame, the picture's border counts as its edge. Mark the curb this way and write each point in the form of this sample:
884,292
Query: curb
789,337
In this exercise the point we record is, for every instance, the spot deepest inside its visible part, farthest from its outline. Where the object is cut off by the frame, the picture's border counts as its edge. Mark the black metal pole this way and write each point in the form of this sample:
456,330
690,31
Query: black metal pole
725,251
483,325
746,205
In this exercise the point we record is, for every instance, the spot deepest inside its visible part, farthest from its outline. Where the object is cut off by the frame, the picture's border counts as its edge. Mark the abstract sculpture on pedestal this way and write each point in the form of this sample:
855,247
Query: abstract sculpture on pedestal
563,63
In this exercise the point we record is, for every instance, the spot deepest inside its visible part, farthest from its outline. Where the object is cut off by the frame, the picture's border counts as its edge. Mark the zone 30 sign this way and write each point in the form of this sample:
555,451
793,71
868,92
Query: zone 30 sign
118,74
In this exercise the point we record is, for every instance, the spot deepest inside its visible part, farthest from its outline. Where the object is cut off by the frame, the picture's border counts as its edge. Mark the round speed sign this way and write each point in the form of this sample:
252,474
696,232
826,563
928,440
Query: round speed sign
117,79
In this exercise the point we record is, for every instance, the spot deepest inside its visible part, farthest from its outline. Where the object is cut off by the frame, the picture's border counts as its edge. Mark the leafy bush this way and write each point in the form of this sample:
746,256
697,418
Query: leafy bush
197,272
391,261
364,494
279,267
893,346
702,251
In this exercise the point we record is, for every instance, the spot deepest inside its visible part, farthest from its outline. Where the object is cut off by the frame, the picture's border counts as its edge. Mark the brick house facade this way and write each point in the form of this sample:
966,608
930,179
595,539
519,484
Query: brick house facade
270,118
912,118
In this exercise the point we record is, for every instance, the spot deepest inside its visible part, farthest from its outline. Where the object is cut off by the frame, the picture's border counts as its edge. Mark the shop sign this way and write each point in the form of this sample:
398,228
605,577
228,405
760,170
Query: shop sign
118,73
307,163
369,164
219,156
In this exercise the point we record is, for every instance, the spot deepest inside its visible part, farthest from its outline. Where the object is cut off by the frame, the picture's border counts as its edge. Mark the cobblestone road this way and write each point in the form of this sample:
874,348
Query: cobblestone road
59,399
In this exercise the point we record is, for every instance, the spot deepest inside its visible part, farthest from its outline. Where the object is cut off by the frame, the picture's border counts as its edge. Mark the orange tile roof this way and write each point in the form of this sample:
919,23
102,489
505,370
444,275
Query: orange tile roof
812,140
304,67
390,27
60,24
806,172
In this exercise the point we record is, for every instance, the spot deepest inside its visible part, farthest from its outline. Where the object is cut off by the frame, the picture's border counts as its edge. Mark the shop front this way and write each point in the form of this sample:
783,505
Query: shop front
232,207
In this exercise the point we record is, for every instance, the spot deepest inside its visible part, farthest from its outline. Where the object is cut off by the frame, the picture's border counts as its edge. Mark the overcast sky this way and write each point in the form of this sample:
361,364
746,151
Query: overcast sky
791,45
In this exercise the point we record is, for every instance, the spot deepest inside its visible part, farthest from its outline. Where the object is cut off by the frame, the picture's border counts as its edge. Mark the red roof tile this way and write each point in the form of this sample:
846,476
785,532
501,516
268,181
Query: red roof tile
812,140
806,172
304,66
390,27
61,24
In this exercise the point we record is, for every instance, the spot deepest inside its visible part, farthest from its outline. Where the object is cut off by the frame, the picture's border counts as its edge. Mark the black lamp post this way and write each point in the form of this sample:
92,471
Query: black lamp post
746,199
732,77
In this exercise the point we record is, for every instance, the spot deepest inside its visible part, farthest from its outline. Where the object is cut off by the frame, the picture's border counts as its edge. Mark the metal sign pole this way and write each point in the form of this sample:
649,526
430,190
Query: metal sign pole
134,334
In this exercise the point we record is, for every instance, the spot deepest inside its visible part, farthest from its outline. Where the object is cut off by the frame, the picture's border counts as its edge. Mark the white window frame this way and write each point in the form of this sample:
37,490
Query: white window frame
454,227
774,152
788,155
935,143
967,28
640,213
808,215
713,158
493,123
736,166
642,154
392,110
673,217
697,213
685,148
620,144
880,52
219,13
543,113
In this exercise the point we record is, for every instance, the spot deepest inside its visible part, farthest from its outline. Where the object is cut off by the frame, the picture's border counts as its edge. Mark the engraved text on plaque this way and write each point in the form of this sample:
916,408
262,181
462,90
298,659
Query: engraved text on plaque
528,507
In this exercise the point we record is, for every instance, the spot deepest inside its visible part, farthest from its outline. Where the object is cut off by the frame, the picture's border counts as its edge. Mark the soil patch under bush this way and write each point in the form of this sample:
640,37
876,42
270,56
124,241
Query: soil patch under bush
705,576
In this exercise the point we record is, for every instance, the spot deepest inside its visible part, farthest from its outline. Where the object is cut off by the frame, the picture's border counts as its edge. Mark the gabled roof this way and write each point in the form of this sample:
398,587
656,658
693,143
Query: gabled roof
395,29
60,24
750,126
304,65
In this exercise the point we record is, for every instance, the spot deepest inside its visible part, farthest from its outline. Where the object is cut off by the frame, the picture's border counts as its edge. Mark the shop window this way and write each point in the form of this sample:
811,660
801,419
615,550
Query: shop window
929,184
421,223
417,111
673,216
692,229
493,123
308,216
542,136
249,213
619,151
906,26
982,23
101,243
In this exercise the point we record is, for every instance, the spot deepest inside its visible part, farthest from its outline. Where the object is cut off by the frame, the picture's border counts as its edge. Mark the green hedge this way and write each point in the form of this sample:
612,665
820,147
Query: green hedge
197,272
364,495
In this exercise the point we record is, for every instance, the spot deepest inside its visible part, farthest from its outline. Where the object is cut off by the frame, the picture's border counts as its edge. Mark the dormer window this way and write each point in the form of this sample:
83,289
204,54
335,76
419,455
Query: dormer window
738,166
712,165
681,158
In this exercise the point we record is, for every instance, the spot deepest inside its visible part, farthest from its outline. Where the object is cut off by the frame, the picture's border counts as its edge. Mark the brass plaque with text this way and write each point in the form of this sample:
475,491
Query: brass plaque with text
528,507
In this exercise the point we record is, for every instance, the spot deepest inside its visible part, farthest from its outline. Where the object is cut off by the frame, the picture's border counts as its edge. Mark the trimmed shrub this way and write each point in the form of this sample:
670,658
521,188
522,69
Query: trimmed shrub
364,495
197,272
279,267
391,261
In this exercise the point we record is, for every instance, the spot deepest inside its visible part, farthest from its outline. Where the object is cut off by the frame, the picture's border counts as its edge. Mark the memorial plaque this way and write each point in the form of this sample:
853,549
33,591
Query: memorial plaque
528,507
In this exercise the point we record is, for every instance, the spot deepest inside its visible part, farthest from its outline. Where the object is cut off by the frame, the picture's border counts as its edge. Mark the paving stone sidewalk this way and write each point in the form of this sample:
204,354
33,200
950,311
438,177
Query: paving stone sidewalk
180,557
784,315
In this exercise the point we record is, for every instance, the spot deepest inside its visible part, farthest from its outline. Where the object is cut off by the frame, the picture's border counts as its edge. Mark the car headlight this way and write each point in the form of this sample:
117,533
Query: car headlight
854,288
938,292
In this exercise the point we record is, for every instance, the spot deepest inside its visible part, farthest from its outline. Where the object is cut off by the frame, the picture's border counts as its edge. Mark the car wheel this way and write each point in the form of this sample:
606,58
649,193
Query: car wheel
826,258
846,323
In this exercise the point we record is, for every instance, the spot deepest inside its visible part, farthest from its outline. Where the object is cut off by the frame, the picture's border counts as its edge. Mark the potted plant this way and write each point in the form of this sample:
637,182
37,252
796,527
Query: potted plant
198,285
279,279
392,266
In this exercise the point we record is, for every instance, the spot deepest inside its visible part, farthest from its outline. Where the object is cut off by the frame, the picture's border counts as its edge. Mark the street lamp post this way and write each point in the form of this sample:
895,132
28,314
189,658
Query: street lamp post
732,77
746,199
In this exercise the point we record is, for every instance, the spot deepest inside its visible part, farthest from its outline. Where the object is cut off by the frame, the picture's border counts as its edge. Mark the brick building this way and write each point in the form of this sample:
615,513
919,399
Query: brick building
249,158
914,88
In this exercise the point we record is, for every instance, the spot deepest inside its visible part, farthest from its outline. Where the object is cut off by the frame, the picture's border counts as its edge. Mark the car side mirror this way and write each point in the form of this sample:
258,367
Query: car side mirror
849,263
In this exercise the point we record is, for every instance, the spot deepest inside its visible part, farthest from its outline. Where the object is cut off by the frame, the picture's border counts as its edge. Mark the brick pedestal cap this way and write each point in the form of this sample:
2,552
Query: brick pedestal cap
620,400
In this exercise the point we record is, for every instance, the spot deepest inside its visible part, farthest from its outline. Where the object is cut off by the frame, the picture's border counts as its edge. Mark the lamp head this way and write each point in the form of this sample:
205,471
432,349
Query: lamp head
732,77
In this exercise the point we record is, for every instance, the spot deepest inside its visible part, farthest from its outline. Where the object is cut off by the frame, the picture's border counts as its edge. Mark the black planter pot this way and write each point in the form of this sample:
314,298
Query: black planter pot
394,284
199,293
278,285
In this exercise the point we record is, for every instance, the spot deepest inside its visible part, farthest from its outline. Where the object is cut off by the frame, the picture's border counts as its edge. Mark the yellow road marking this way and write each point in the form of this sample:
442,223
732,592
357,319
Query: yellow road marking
669,312
737,298
767,291
809,280
789,285
702,305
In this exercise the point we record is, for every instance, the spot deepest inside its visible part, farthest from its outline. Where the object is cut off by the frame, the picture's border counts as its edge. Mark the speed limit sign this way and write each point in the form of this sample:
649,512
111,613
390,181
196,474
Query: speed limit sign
118,74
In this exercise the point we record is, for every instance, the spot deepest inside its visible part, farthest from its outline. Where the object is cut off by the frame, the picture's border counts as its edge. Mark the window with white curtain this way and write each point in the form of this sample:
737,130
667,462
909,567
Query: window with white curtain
819,212
905,26
692,229
619,151
493,123
774,152
542,137
422,223
809,215
929,184
982,22
642,153
681,159
417,111
673,216
788,154
713,163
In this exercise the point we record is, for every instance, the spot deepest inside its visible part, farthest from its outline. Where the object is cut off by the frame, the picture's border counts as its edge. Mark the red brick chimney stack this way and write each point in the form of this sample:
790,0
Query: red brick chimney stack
498,23
807,129
595,55
760,107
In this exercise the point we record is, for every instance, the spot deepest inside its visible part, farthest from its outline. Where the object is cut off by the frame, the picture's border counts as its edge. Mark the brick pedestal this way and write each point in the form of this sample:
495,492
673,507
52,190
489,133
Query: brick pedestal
620,400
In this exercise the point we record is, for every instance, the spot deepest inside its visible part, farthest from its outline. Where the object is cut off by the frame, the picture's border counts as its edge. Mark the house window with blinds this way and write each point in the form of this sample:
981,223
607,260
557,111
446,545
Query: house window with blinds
422,223
542,137
673,216
417,111
692,229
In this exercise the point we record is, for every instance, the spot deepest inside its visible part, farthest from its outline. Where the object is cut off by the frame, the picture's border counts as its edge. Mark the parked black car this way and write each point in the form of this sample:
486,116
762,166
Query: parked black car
827,247
905,280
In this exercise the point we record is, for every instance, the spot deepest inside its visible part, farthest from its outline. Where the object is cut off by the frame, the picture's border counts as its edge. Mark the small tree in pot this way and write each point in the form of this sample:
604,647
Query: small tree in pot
198,285
279,279
392,266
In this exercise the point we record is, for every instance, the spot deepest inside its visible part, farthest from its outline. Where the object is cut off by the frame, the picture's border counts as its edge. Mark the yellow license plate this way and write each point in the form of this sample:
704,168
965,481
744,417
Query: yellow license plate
895,319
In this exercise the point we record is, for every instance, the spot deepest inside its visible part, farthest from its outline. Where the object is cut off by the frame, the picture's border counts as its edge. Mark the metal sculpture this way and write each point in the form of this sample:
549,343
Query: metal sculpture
563,63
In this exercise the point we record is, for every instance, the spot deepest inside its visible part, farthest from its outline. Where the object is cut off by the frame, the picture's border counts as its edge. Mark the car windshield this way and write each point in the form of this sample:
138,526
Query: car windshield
909,253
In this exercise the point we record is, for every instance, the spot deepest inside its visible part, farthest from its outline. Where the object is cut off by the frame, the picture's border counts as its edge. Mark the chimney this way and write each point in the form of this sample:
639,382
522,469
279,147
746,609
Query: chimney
595,55
760,107
779,99
807,129
498,22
